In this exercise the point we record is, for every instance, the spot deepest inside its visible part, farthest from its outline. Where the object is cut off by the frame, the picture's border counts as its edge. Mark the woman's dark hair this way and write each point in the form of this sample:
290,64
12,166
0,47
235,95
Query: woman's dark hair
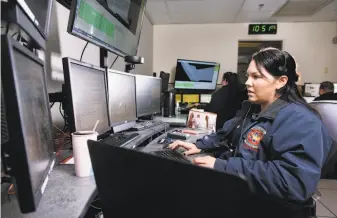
281,63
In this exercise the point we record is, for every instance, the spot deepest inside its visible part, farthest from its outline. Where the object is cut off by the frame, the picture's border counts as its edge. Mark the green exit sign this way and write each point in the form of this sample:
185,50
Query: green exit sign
255,29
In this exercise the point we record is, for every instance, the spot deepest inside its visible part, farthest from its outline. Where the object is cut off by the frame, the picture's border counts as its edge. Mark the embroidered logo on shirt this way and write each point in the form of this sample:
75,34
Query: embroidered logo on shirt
254,136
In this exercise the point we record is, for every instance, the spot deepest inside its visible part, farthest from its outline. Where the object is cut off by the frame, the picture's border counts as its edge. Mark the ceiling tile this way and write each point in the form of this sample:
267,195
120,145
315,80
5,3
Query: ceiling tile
157,11
209,11
251,12
268,5
327,13
228,11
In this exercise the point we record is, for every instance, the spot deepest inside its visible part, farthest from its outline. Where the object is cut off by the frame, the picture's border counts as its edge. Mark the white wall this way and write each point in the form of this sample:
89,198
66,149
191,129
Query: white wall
310,44
61,44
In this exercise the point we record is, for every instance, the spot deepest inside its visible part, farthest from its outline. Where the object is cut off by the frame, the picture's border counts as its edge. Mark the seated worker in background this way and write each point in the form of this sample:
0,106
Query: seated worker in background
280,143
326,90
228,99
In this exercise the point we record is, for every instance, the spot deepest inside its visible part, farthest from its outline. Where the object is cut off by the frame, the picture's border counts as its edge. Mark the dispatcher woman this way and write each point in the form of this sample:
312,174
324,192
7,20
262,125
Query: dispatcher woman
279,141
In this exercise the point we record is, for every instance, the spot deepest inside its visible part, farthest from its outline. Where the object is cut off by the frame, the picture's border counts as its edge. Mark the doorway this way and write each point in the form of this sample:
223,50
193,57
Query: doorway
247,49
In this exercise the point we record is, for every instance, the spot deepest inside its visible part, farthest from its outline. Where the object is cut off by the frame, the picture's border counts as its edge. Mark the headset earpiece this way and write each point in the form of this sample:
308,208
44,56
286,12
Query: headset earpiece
284,68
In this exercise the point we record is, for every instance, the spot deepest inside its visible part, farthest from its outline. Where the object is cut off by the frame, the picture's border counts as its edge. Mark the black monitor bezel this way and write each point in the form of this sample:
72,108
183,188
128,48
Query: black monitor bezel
115,124
113,50
197,91
153,112
18,160
14,13
69,107
43,31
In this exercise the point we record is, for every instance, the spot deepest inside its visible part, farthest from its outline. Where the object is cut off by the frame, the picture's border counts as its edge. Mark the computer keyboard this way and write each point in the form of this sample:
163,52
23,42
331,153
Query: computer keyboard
172,155
146,125
120,139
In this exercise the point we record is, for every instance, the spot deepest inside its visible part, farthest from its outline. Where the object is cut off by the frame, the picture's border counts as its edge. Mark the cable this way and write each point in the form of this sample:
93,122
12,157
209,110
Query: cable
99,215
83,50
52,105
7,28
60,107
61,131
114,61
97,208
64,140
64,118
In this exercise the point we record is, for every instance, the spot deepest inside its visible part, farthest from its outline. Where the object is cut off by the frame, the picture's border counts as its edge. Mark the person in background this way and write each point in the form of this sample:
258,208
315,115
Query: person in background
326,90
277,141
227,100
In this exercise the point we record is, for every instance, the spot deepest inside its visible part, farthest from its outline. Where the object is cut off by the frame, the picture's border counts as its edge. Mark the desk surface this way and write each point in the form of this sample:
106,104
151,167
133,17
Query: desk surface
178,119
66,195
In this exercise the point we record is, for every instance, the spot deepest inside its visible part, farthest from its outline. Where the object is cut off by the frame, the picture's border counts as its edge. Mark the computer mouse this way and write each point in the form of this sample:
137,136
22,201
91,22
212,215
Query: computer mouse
161,141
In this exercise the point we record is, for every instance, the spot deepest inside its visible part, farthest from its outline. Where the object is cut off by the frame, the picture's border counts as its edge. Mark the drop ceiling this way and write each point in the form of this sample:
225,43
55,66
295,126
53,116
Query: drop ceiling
240,11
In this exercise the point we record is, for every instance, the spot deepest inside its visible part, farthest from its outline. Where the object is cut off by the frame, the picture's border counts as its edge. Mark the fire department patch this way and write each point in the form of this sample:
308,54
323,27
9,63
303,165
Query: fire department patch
254,136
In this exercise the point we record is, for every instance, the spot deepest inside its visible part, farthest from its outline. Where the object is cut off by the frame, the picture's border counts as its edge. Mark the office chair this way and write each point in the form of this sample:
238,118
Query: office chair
328,112
165,77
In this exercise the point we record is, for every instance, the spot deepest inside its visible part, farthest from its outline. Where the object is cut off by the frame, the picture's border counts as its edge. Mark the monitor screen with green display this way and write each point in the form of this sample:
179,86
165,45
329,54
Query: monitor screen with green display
111,24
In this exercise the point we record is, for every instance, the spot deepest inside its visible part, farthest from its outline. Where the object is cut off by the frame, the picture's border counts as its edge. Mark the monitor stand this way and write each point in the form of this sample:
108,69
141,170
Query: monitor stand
145,118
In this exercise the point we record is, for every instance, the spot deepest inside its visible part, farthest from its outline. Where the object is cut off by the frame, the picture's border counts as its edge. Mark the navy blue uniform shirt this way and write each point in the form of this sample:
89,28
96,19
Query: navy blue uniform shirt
280,151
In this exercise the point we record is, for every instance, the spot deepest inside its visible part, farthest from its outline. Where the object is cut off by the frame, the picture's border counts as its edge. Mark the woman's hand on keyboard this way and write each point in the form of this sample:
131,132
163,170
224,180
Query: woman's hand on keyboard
206,161
191,148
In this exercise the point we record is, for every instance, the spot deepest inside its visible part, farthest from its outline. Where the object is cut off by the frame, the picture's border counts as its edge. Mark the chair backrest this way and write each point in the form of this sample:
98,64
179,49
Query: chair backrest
165,77
328,112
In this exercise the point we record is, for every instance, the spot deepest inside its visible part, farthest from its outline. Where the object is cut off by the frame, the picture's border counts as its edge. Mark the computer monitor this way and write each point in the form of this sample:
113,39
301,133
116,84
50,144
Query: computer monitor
86,96
38,13
148,90
205,98
197,75
122,100
311,89
28,151
31,16
114,25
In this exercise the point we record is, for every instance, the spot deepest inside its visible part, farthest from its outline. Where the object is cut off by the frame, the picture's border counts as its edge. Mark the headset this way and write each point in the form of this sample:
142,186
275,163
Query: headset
284,68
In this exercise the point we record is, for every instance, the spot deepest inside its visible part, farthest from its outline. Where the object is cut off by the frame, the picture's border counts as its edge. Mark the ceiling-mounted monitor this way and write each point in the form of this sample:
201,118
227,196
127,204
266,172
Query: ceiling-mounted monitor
112,24
30,18
38,13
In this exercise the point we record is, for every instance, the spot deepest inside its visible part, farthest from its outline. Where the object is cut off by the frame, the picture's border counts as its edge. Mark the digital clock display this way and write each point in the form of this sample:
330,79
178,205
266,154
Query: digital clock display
255,29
